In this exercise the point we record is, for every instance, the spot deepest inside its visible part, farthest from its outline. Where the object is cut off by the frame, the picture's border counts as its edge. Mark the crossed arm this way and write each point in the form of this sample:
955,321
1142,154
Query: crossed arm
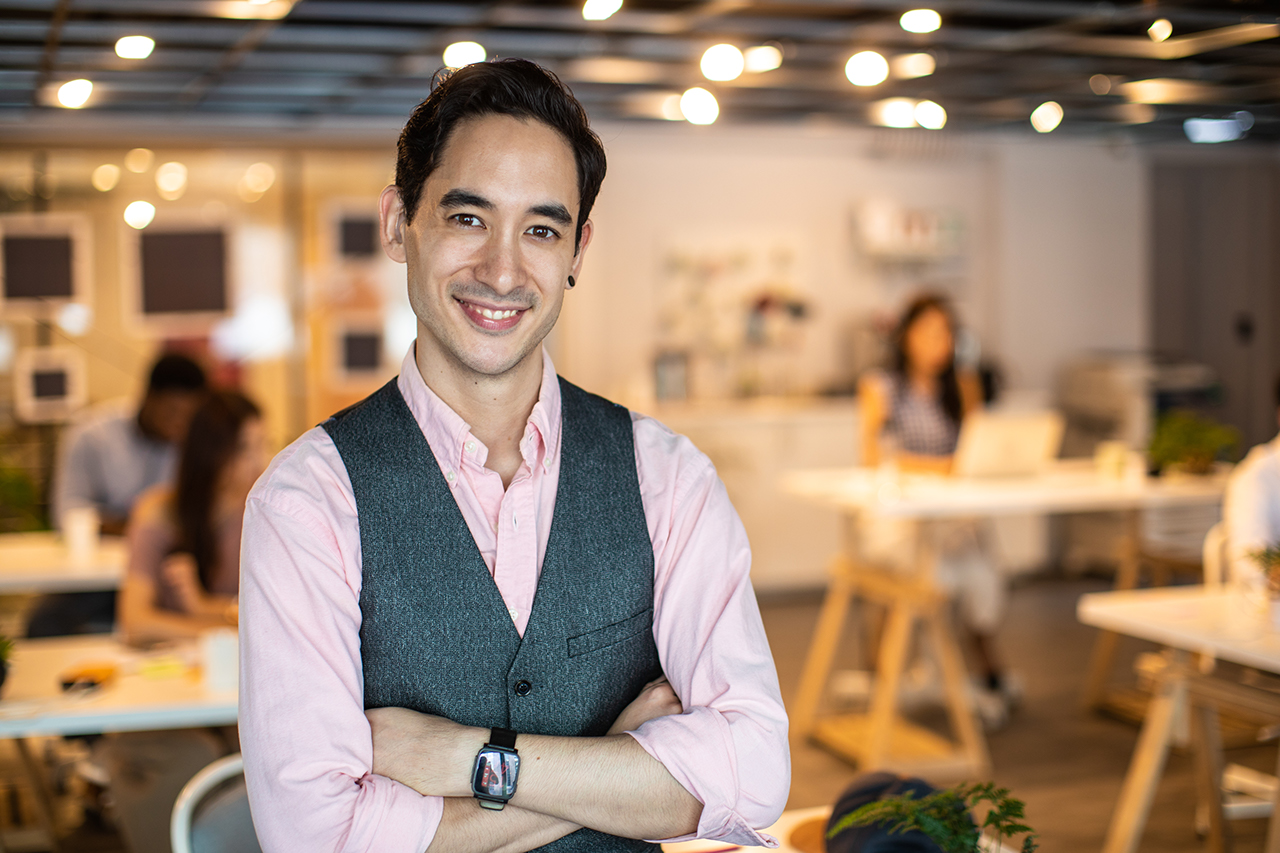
609,783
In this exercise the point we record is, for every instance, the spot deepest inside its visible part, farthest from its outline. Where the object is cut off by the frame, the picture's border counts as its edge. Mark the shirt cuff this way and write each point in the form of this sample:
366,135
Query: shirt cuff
696,748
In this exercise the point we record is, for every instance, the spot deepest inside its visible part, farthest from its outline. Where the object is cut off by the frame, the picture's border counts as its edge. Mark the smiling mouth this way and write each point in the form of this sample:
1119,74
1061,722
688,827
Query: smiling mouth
491,319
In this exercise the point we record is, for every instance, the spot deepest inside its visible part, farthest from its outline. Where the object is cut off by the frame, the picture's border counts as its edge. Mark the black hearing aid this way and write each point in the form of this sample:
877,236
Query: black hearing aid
571,282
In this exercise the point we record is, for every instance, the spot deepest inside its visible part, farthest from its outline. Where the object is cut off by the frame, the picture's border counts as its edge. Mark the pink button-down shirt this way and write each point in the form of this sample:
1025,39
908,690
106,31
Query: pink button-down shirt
306,741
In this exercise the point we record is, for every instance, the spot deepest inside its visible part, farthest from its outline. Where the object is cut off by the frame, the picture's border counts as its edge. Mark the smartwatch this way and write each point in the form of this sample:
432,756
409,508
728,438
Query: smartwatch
493,780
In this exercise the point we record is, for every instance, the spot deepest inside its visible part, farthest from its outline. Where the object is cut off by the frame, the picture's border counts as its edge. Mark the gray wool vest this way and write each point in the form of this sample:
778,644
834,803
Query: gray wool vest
435,634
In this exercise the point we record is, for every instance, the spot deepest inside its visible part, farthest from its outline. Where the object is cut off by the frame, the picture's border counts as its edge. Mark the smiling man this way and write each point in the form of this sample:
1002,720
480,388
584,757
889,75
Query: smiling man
483,609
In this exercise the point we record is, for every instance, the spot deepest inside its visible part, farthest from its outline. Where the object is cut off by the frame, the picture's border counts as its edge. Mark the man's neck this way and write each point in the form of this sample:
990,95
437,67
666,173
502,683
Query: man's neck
497,408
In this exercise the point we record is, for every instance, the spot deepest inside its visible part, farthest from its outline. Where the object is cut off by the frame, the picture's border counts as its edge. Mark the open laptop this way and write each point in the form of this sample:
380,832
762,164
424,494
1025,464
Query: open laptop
1008,444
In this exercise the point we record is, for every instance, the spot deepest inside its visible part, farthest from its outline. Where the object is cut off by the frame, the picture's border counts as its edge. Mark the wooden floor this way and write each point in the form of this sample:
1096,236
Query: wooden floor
1067,765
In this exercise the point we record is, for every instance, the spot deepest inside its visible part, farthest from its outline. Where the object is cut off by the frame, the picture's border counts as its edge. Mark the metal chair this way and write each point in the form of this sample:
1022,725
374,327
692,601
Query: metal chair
209,816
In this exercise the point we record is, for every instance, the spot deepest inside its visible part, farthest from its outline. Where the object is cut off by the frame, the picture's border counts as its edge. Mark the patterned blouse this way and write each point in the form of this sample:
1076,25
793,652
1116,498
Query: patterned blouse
918,423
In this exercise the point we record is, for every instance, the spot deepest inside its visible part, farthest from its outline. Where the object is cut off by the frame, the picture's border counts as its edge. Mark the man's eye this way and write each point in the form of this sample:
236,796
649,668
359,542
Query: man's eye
467,219
542,232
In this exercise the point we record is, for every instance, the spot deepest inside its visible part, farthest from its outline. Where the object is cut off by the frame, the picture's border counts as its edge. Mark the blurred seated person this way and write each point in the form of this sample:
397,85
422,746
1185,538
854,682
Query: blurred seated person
183,577
106,461
184,540
910,417
1251,509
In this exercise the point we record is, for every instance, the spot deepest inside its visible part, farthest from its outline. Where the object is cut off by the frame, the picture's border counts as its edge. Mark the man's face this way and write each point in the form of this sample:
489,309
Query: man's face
491,247
165,415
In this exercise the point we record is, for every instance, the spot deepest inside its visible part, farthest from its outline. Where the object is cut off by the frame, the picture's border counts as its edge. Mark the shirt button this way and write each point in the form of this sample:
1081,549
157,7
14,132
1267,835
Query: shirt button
515,522
515,614
450,476
523,688
471,447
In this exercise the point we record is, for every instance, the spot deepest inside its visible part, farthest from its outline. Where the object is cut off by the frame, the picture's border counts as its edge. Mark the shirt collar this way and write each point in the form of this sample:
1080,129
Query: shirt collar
448,434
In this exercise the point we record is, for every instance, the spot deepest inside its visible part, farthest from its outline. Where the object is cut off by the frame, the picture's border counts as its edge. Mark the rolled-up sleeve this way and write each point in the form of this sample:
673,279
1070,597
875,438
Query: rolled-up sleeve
305,739
729,748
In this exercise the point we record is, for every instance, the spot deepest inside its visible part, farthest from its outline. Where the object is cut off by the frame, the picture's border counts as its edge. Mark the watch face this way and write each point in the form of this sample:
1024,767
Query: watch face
495,774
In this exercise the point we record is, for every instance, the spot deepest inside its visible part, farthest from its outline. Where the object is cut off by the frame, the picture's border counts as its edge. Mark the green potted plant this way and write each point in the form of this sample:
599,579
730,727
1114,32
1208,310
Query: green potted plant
947,817
1187,442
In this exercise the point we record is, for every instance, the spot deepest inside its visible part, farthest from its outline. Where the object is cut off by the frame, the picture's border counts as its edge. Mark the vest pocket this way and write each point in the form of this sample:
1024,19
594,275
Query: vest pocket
611,635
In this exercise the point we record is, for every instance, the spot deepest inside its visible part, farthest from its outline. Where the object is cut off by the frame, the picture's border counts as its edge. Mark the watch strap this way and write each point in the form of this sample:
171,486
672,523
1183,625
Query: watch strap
504,738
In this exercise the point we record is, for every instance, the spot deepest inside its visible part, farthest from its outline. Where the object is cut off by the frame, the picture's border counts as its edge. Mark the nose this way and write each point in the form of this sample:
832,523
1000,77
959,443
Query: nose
499,263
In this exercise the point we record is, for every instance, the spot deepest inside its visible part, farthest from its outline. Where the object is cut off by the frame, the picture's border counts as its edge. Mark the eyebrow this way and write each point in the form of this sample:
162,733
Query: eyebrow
454,199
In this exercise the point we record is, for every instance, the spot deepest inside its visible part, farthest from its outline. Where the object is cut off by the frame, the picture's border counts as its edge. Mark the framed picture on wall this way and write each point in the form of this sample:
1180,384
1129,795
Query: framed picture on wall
358,346
45,263
49,384
177,276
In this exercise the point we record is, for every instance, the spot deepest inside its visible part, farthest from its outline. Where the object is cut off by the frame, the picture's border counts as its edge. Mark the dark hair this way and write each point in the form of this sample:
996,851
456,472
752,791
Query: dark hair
210,445
1278,390
173,372
510,87
948,382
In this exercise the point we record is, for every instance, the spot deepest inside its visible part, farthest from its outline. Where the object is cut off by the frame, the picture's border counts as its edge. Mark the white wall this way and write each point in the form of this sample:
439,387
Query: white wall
1071,243
1055,246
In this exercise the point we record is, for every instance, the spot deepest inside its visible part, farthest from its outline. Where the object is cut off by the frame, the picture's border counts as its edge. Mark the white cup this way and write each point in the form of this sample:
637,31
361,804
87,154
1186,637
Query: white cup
220,656
80,526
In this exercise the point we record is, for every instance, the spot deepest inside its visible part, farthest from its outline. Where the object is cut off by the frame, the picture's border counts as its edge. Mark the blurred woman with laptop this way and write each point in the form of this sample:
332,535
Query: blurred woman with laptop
182,579
911,416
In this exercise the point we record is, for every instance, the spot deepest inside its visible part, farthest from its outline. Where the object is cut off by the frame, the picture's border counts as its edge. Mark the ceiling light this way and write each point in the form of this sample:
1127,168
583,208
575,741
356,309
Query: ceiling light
74,93
138,160
135,47
105,177
250,10
1160,29
920,21
1100,84
722,62
699,106
761,58
1210,130
600,10
171,180
462,53
139,214
1047,116
259,177
894,112
866,68
908,66
930,115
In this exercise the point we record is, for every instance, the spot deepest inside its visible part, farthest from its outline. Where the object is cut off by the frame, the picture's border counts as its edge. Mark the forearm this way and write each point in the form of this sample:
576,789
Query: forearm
919,463
465,827
153,624
609,783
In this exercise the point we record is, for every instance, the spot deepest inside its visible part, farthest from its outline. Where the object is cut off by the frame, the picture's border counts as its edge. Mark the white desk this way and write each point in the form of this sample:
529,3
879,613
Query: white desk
39,562
1069,486
880,739
1188,620
33,702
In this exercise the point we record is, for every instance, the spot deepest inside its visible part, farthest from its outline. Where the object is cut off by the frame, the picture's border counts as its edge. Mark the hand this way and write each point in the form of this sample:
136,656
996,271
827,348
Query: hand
432,755
180,574
656,699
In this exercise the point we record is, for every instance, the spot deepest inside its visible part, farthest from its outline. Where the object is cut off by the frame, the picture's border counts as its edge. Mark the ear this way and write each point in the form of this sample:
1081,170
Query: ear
587,231
391,223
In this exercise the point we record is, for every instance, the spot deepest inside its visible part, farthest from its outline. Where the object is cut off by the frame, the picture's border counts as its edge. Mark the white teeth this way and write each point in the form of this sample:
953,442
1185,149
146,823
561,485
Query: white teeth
497,315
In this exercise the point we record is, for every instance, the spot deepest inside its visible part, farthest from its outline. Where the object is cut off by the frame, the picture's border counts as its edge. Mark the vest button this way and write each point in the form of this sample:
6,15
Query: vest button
523,688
